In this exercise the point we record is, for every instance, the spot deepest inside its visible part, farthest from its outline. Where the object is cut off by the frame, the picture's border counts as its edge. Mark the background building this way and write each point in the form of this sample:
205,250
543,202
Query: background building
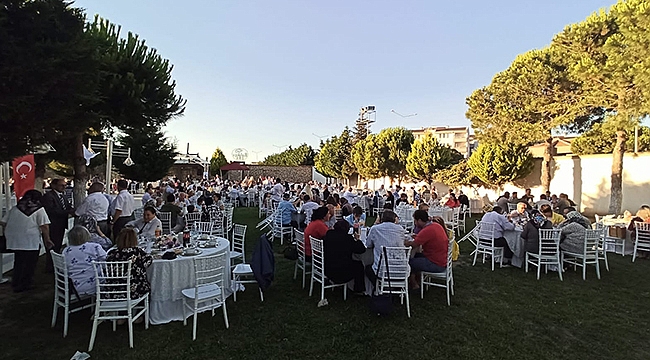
456,137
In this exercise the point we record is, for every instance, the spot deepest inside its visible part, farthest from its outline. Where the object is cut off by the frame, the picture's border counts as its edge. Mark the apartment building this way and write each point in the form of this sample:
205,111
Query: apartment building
456,137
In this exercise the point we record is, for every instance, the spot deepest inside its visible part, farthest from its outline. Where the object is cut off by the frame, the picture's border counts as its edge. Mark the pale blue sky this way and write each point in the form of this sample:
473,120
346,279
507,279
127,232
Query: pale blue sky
262,73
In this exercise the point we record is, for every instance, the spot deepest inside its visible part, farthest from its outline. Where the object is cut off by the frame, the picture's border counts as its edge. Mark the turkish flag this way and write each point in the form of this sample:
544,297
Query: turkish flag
24,175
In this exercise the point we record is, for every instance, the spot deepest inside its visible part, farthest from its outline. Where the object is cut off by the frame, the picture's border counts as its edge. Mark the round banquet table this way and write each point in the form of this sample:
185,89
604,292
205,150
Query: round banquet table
169,277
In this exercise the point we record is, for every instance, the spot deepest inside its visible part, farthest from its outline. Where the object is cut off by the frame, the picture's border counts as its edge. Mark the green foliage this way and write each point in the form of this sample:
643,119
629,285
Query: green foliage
152,153
383,154
458,175
427,157
367,158
334,158
602,137
498,164
217,161
302,155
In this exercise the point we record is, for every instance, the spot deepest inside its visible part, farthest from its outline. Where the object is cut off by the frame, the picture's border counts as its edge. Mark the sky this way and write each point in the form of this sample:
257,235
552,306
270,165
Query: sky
263,74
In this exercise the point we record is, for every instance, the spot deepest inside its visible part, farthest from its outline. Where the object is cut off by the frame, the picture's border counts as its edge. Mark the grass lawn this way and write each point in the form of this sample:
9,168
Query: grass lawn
505,314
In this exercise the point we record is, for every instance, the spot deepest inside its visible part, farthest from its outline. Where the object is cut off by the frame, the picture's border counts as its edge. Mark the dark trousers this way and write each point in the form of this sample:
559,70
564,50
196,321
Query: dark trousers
501,242
371,275
56,235
119,225
24,267
358,273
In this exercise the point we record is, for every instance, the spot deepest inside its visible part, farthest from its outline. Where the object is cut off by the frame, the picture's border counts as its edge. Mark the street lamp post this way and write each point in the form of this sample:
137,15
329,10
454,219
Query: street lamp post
111,150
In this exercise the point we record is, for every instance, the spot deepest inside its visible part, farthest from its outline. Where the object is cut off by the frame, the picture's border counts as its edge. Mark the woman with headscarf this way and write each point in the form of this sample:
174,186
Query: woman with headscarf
573,232
530,233
25,226
96,235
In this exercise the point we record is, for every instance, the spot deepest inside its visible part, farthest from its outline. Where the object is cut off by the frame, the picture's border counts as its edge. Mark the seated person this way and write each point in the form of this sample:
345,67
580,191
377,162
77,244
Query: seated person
463,199
542,201
148,224
530,234
338,247
96,234
127,249
554,217
79,257
573,232
346,207
403,200
357,218
434,242
286,210
387,232
501,224
317,228
452,202
176,213
520,215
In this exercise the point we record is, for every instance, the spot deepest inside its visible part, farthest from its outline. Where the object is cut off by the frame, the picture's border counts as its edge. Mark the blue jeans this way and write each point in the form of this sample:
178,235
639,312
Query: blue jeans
420,263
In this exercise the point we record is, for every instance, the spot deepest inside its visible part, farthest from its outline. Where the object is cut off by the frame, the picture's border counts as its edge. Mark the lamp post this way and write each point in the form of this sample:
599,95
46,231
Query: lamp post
111,150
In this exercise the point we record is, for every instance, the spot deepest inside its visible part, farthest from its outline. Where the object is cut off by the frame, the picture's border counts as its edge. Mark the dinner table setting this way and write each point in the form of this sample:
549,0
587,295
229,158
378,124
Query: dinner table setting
172,270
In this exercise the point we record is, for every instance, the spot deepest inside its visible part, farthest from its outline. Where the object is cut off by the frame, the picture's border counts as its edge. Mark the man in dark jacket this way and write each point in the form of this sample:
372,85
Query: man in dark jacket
58,209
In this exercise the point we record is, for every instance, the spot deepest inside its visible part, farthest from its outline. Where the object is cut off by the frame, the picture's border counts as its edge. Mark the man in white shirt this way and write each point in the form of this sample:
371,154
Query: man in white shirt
308,208
350,196
96,206
124,205
382,191
386,233
277,190
501,224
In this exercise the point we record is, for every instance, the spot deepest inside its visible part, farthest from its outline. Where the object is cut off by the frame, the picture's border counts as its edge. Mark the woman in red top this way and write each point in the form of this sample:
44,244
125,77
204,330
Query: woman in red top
452,202
316,228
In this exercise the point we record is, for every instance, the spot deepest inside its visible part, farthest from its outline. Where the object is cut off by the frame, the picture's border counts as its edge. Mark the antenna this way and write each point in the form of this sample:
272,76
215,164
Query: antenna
280,147
404,116
256,154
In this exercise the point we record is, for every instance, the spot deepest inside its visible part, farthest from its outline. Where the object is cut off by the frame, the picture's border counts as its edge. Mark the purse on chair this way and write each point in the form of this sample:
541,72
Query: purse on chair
382,304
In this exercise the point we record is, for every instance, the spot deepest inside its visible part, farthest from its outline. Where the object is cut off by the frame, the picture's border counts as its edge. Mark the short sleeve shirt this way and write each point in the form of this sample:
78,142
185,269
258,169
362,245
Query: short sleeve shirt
23,232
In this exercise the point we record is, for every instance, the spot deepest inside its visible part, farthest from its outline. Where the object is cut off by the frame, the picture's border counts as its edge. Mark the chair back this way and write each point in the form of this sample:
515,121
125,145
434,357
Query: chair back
338,214
202,227
486,233
61,282
593,240
166,220
299,237
317,257
642,232
209,270
229,212
512,207
113,281
238,237
549,242
138,213
191,218
397,261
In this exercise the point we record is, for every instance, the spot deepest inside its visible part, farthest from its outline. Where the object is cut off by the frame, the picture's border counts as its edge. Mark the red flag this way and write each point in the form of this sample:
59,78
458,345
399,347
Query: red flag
24,175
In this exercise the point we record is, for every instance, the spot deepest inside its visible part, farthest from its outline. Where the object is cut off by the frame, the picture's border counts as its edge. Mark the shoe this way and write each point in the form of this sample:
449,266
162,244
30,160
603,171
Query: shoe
140,320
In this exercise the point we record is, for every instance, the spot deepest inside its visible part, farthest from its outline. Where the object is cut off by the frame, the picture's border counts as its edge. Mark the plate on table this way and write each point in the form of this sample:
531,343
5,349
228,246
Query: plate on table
194,253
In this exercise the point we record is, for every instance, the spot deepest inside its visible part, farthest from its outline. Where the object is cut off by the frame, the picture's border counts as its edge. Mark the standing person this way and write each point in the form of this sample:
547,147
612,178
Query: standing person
124,204
25,226
58,210
96,206
277,191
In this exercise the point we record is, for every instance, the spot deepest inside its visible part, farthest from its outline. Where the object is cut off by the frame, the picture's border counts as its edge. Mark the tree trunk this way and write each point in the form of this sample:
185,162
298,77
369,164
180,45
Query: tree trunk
547,161
80,170
616,199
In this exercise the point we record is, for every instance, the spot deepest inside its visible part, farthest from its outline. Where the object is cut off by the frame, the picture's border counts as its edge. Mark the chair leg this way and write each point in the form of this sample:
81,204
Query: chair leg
408,305
295,270
55,311
448,298
130,321
597,267
66,315
559,268
146,313
194,321
303,278
475,255
422,286
261,295
606,262
225,314
322,290
634,253
311,287
584,269
526,258
184,317
93,333
345,292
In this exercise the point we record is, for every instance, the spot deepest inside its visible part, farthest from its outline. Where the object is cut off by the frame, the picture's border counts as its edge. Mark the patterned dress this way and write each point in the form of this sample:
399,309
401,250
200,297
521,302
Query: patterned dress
79,260
139,283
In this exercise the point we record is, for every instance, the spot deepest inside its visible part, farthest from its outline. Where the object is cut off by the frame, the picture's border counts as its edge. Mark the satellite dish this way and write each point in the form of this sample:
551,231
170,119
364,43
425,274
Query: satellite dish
240,154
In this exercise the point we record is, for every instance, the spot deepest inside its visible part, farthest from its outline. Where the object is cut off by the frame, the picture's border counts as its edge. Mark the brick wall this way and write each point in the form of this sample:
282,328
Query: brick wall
292,174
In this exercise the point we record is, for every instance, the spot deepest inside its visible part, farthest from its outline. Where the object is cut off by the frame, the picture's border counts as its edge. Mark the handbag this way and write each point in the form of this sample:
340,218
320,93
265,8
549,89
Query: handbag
290,252
382,304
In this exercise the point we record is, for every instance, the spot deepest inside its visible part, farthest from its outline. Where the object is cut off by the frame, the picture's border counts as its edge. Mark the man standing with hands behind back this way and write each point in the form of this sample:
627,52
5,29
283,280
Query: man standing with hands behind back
58,209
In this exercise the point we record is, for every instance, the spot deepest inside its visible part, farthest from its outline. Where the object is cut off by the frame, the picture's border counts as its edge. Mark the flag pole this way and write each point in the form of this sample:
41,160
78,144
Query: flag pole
5,178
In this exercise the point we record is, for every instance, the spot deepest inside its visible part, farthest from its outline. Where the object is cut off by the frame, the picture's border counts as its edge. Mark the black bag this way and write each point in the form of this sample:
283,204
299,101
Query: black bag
3,244
382,305
290,252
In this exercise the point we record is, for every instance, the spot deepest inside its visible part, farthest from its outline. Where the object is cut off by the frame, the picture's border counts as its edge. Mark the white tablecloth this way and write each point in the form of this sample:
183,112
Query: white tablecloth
169,277
447,214
516,244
